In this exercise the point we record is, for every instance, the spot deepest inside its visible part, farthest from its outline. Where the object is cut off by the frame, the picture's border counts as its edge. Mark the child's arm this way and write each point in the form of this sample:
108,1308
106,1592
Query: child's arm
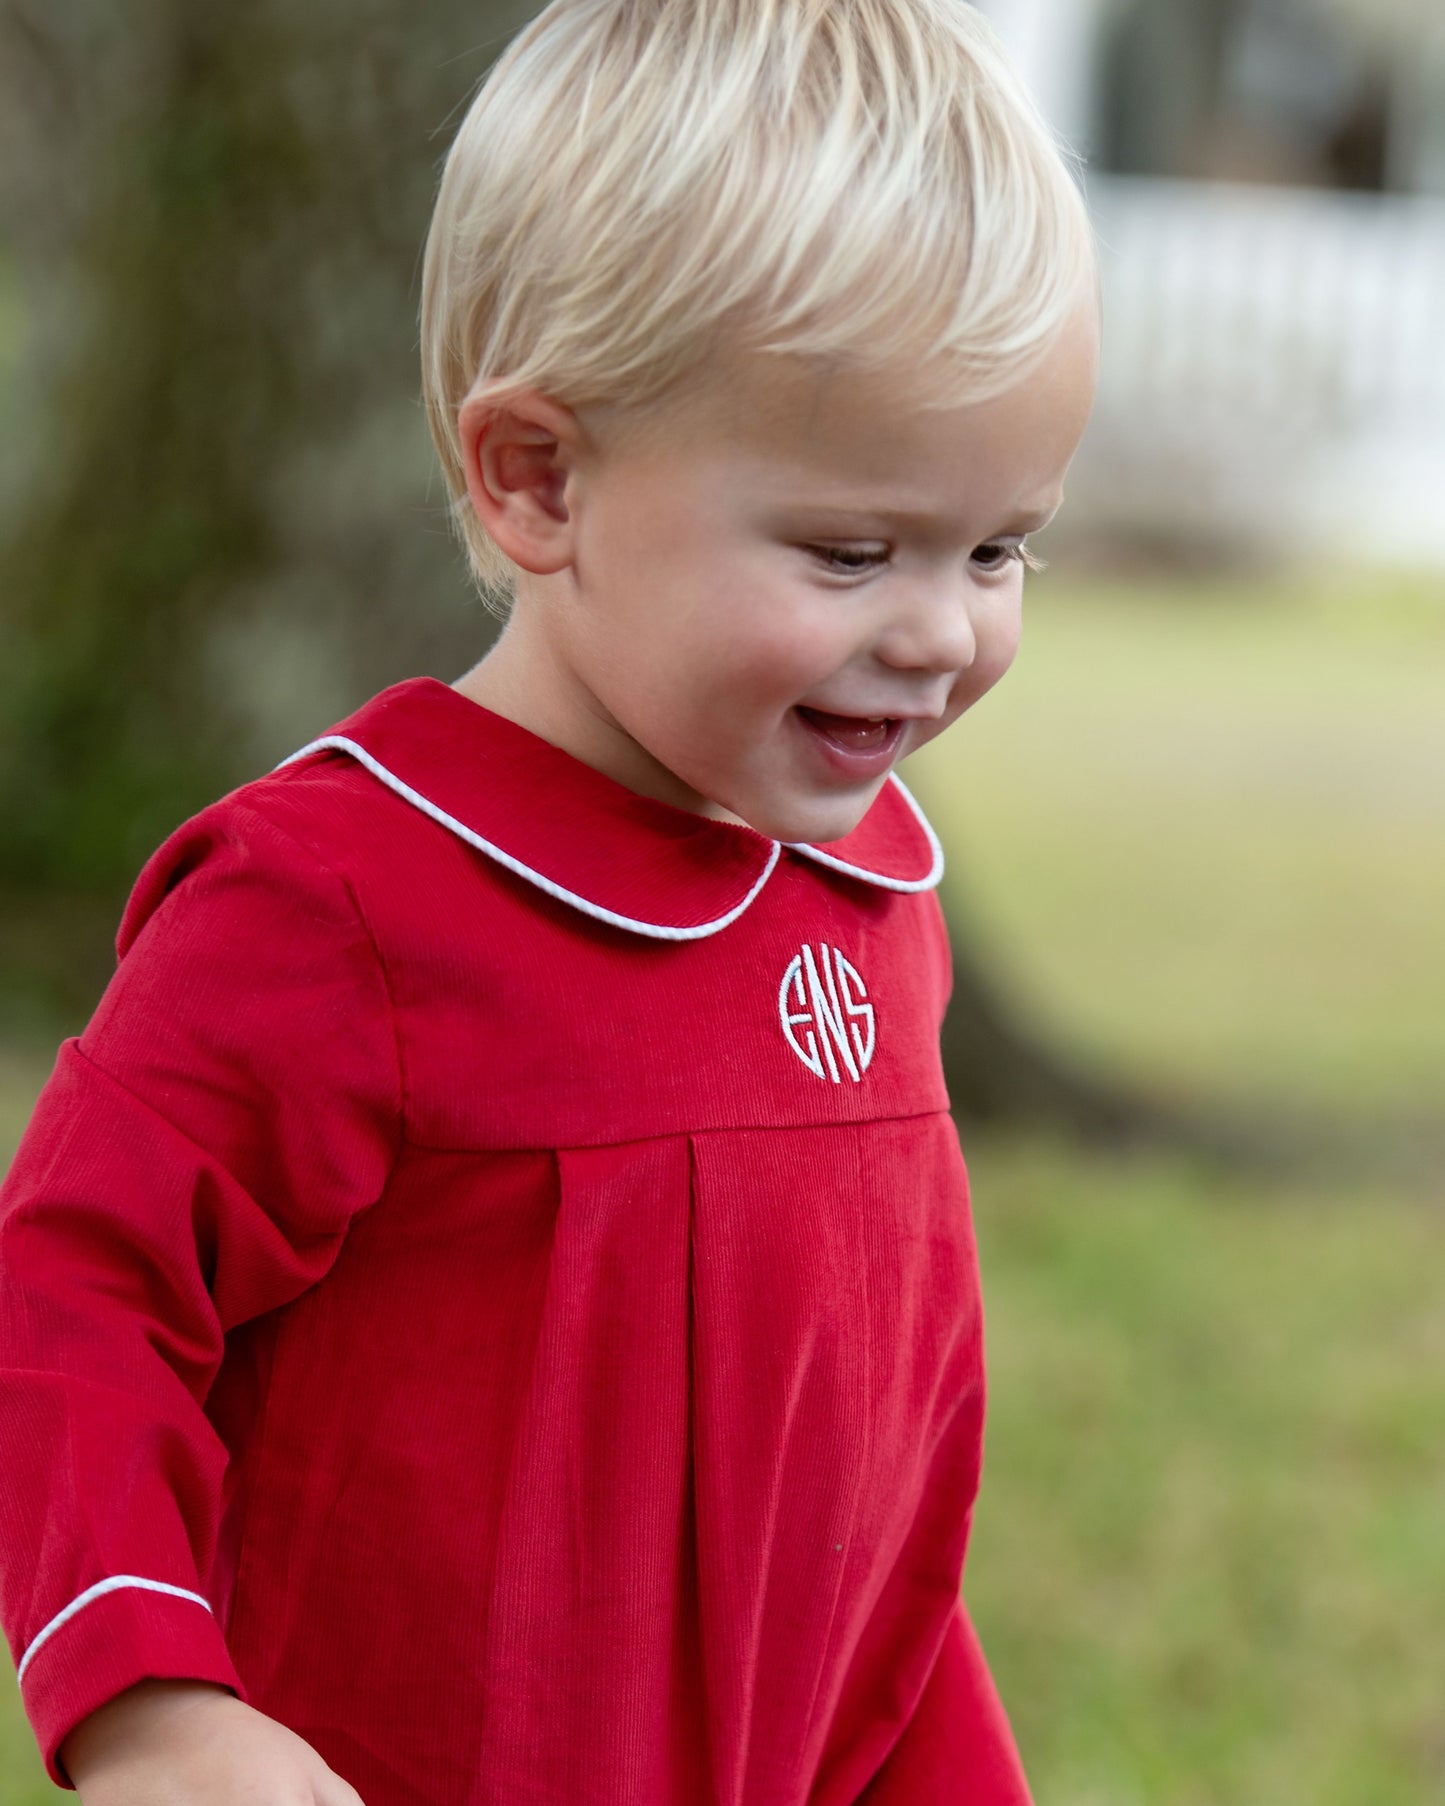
194,1163
180,1743
959,1730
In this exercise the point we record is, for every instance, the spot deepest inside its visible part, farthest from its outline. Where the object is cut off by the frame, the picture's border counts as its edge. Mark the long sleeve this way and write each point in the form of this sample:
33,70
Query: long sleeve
193,1163
958,1746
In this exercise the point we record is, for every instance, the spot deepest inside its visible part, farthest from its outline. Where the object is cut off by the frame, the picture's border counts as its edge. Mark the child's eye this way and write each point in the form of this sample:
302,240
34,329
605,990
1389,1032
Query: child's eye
849,561
997,554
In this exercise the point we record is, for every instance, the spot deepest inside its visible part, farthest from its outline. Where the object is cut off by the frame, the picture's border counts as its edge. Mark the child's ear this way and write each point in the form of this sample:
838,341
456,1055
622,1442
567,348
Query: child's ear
517,455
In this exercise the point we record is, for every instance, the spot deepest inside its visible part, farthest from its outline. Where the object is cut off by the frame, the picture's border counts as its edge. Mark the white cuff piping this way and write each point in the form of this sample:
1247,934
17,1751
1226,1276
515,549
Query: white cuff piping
114,1585
656,930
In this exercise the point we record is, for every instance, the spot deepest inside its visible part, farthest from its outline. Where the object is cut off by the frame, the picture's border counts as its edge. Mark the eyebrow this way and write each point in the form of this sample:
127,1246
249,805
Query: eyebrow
1040,518
1031,521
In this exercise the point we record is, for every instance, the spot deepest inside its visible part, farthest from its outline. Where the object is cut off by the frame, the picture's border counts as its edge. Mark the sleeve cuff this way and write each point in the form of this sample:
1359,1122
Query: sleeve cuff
110,1637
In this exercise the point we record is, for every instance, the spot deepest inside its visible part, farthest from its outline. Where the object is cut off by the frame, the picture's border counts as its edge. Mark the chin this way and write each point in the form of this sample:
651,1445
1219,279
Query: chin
814,824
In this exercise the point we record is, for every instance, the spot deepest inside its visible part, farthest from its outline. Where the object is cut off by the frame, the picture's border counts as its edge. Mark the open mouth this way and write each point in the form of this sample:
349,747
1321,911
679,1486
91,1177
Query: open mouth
854,736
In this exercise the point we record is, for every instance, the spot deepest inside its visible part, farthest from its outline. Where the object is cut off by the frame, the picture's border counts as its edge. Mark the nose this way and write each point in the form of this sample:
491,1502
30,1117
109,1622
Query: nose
930,628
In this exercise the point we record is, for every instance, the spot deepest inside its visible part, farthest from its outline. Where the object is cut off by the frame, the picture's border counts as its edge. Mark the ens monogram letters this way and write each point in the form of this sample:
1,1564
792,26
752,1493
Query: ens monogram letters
824,1009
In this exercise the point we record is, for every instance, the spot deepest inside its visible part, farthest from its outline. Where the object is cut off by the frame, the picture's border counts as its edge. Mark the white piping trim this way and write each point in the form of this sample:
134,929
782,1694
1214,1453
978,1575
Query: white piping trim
910,885
89,1596
655,930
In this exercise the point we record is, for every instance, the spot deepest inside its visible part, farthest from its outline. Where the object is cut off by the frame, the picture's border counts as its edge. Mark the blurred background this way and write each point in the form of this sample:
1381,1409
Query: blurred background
1197,840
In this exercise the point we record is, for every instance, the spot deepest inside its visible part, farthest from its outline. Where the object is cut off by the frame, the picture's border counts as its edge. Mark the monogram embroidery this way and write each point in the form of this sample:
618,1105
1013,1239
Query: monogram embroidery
827,1018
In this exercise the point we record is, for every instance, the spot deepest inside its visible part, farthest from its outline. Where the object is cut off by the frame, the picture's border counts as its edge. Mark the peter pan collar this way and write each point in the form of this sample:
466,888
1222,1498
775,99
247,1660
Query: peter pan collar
589,841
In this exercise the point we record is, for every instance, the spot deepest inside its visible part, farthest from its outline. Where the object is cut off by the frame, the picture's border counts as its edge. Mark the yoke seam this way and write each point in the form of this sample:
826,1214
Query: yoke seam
684,1133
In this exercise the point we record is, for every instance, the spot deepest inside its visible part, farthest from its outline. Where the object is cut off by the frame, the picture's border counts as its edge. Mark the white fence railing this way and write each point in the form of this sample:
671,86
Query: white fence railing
1290,338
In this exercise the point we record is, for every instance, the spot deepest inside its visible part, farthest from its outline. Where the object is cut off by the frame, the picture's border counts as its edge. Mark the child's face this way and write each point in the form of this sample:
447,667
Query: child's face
774,595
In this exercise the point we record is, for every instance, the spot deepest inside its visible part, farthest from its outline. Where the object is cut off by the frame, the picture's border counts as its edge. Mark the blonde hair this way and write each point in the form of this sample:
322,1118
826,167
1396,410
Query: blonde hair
640,183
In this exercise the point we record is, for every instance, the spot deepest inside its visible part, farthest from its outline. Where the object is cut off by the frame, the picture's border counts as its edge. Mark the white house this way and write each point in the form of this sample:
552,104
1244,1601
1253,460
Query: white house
1268,179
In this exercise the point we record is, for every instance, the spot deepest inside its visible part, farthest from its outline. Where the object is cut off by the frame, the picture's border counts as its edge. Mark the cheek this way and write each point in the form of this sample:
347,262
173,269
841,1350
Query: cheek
765,637
998,648
998,644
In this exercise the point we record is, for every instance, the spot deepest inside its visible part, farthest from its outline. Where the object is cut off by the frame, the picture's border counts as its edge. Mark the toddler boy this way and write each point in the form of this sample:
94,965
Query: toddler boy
490,1308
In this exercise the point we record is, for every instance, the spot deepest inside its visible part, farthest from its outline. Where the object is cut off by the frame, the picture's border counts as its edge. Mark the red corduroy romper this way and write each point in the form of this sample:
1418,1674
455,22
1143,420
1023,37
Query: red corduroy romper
494,1285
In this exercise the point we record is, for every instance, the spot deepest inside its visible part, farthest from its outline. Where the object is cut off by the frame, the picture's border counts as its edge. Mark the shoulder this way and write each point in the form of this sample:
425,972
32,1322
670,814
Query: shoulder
264,841
251,1009
317,834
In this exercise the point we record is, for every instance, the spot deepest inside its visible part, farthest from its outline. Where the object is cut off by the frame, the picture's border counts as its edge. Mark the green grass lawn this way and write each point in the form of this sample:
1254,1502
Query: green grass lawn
1205,836
1209,1562
1204,833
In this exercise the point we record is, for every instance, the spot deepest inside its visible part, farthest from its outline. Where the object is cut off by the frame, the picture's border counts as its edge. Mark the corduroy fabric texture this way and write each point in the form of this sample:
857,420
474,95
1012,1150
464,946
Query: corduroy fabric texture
553,1353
